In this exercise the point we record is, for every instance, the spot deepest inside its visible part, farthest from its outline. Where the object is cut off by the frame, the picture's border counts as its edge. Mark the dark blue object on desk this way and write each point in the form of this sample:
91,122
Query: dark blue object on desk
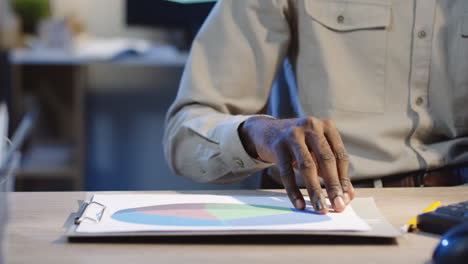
453,246
444,218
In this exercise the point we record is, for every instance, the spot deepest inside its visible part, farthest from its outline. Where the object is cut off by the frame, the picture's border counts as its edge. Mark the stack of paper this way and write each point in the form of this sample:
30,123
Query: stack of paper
161,213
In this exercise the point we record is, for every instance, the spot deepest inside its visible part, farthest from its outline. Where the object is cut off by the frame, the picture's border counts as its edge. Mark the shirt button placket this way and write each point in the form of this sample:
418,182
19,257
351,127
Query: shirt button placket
421,53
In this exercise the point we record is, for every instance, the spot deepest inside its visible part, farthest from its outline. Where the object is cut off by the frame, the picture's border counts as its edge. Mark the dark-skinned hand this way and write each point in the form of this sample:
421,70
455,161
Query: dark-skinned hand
310,144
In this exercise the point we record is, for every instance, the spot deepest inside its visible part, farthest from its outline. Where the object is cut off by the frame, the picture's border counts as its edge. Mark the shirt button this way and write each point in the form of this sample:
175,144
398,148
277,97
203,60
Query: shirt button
422,34
239,162
340,19
419,101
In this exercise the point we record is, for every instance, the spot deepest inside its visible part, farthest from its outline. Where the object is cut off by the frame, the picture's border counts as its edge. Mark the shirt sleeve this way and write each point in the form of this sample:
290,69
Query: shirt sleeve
227,79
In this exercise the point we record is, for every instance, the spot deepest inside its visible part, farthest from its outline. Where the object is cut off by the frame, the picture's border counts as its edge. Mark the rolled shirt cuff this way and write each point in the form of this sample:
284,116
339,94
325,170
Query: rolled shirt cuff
233,152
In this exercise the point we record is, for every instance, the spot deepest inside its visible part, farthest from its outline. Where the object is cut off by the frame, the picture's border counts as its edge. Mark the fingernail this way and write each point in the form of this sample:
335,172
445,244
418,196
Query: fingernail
339,203
346,198
318,205
299,204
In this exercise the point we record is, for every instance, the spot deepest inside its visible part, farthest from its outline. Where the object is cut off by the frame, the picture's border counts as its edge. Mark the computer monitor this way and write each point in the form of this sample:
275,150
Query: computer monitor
170,15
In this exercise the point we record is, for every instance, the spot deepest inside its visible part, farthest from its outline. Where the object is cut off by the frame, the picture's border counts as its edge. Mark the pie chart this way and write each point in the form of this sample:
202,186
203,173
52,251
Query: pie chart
216,215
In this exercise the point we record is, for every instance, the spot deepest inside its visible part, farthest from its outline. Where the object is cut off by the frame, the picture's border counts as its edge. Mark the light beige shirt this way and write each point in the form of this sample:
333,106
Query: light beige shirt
393,74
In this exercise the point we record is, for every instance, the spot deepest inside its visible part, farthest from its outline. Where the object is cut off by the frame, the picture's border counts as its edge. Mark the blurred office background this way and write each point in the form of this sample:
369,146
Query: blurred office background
102,73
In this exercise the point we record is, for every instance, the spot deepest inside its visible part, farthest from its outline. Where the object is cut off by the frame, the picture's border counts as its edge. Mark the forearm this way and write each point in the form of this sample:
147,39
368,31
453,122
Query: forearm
204,145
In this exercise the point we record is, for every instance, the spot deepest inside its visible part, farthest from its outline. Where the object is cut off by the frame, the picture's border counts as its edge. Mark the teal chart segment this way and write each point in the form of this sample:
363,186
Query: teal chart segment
216,215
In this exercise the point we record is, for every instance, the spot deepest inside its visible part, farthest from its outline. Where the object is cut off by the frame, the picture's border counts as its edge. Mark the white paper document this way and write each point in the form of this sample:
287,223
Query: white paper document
191,212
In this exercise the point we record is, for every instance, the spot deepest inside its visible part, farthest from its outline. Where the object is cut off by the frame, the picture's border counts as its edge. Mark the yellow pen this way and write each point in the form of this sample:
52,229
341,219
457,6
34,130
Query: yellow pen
412,224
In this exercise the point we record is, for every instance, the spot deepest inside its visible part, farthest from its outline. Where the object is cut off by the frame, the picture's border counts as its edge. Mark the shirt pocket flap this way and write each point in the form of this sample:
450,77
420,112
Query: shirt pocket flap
348,16
464,26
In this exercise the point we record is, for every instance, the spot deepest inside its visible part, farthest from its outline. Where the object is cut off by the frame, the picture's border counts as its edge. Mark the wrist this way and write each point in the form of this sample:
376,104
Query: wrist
246,134
246,140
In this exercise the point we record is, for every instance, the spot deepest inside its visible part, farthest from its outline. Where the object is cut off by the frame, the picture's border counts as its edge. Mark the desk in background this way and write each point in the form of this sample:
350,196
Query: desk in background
37,225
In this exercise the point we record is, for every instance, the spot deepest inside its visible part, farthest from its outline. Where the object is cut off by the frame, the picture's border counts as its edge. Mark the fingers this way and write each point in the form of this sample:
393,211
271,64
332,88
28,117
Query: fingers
327,165
288,178
342,159
318,143
315,148
308,170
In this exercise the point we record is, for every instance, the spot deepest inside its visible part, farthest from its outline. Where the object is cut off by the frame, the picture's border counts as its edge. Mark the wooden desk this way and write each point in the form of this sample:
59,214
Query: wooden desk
35,235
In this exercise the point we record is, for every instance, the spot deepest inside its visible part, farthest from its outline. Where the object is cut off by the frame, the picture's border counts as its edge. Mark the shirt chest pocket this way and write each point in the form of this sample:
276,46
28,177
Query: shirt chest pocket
460,92
349,46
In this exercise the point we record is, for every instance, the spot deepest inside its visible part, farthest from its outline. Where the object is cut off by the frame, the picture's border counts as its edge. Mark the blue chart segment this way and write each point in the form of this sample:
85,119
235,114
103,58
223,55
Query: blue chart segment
216,215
